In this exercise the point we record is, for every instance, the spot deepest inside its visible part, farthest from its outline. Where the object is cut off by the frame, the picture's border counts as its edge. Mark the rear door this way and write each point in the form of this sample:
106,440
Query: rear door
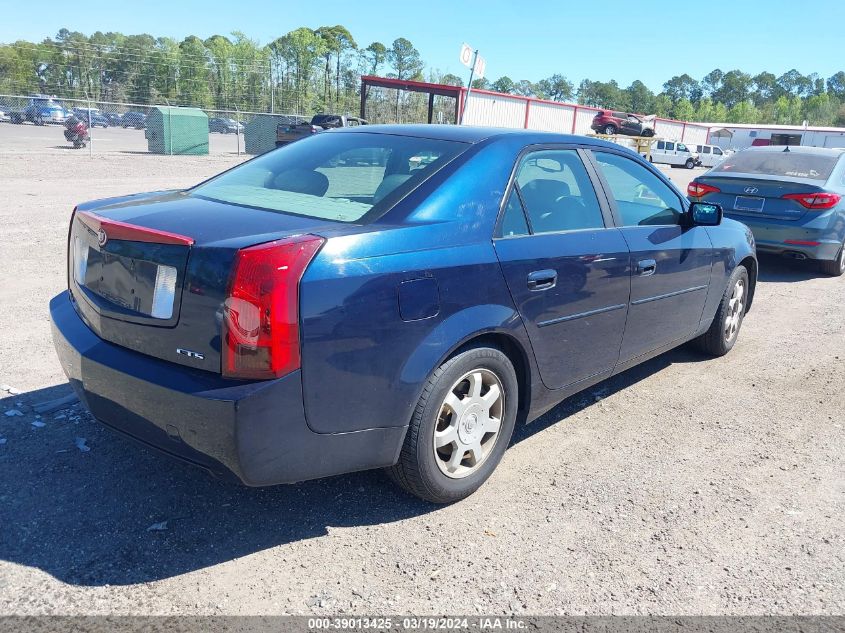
565,265
670,262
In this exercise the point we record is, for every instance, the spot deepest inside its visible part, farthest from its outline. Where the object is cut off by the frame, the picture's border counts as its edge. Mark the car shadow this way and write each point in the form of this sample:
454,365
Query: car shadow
774,268
93,508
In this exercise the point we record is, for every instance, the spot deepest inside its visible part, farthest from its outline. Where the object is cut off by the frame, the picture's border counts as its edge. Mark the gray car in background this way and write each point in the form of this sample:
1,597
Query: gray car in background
792,198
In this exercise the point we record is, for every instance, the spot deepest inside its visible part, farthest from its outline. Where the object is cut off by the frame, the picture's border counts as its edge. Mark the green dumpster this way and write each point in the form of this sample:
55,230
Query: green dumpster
260,133
177,131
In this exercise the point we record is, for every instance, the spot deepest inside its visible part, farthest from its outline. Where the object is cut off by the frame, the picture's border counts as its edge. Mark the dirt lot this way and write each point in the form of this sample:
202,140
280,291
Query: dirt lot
684,486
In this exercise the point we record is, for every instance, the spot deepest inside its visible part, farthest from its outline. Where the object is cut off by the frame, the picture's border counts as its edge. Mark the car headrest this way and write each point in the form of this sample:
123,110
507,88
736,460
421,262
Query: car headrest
543,192
302,181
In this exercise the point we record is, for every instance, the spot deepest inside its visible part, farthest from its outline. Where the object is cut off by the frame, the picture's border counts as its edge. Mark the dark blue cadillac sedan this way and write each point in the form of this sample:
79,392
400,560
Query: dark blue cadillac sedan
389,297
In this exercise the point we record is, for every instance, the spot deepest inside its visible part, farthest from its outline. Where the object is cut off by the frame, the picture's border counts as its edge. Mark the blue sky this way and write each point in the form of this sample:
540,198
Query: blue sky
650,41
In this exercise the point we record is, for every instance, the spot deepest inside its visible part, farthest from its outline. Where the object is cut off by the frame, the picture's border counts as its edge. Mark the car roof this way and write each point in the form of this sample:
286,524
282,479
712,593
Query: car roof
472,134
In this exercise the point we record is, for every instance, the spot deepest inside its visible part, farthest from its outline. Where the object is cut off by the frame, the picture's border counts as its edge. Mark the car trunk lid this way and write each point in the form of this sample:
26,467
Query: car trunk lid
759,196
151,272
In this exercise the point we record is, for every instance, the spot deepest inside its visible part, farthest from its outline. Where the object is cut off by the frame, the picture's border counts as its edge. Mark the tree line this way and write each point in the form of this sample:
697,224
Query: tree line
311,70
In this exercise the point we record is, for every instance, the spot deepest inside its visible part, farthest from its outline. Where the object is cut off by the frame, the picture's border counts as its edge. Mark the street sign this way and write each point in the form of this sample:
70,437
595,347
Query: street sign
466,55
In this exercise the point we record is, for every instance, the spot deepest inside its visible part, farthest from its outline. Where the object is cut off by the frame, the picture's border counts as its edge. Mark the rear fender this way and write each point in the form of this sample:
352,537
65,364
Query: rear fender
460,329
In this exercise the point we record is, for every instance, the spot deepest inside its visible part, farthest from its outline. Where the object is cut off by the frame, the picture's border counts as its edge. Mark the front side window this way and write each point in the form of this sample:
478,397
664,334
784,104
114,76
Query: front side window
557,192
333,176
641,197
717,151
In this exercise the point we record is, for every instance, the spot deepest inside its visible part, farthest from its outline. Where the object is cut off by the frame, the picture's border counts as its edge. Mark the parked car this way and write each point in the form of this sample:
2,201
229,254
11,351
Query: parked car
791,198
4,112
288,133
92,117
284,321
114,119
607,122
225,126
134,119
673,153
40,111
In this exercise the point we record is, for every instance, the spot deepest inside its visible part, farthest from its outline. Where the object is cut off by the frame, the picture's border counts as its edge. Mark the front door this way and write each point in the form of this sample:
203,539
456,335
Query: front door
567,272
670,261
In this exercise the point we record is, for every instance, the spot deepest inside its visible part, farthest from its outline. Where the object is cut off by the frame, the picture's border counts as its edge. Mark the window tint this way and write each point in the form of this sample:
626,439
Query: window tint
661,145
793,164
641,197
513,221
340,177
670,146
557,192
705,149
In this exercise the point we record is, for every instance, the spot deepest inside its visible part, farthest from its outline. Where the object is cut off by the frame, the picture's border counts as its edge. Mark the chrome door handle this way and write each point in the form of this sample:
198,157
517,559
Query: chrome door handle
646,267
542,279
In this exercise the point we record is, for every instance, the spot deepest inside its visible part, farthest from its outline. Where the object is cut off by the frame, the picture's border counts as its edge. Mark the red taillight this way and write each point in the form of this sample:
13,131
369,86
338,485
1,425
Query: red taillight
261,312
698,189
817,200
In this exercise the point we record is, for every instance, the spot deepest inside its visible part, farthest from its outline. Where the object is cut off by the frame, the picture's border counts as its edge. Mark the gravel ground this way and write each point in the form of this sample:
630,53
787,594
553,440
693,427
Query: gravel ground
684,486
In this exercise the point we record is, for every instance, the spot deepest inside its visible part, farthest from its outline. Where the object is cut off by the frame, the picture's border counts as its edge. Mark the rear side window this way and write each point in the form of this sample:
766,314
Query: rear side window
670,147
705,149
333,176
792,164
642,199
557,192
513,221
661,145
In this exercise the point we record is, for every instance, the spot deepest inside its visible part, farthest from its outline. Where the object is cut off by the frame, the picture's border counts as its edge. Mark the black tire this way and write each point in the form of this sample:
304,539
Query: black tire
610,129
835,267
417,470
648,133
714,341
690,163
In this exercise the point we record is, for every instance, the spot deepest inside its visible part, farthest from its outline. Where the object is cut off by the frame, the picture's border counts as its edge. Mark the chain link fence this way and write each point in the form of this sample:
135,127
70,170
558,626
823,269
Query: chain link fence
36,123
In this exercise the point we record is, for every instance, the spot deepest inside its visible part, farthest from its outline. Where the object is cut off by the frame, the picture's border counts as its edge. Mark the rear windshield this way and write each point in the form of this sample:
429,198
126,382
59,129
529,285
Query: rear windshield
791,164
333,176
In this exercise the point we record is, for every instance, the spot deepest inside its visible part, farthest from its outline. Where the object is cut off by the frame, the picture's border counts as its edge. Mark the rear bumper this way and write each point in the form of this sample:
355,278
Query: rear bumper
254,432
813,239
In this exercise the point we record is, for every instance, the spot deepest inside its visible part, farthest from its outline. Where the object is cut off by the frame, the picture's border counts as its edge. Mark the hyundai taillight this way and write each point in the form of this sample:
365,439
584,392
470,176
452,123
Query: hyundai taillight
261,312
698,189
818,200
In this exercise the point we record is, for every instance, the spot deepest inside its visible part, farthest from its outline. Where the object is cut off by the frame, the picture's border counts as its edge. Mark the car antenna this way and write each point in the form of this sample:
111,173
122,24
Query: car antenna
786,149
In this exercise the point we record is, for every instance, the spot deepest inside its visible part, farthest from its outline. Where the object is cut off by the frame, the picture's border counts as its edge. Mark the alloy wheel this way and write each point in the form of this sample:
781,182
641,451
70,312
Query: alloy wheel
736,305
468,423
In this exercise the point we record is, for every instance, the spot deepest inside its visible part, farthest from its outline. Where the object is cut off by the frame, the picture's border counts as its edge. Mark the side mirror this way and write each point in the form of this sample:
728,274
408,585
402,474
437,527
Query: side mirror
705,214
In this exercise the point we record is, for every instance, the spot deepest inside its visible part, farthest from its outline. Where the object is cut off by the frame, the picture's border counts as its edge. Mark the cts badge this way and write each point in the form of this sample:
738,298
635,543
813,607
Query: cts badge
190,354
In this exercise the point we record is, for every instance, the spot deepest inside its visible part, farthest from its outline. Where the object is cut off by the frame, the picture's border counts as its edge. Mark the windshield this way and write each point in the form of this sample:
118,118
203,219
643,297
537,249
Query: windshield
791,164
333,176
